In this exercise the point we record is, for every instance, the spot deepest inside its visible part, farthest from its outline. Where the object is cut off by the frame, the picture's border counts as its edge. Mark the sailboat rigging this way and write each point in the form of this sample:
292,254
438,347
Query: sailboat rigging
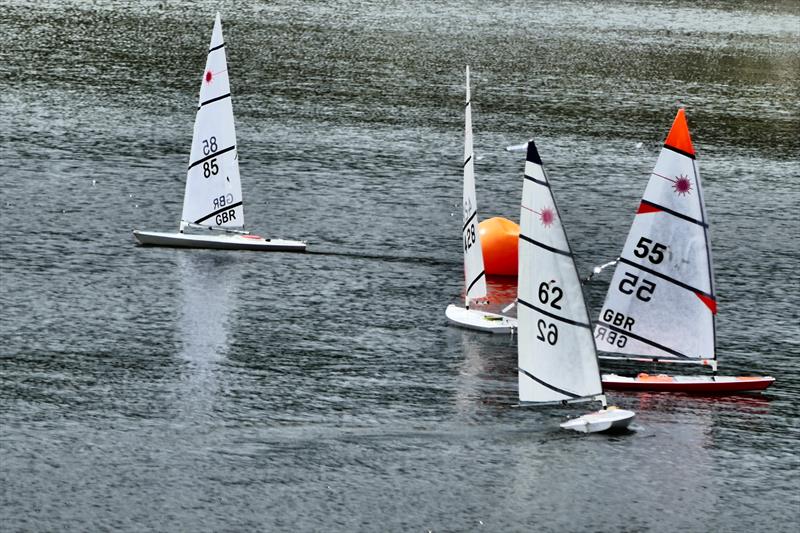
661,304
474,273
557,359
213,196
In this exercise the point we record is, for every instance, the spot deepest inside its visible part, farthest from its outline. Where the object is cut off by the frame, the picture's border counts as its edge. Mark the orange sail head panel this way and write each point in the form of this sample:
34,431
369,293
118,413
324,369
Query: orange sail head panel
678,137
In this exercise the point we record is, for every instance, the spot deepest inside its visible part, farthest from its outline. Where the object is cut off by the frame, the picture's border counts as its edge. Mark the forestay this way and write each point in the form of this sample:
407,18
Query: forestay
474,275
556,352
213,194
661,302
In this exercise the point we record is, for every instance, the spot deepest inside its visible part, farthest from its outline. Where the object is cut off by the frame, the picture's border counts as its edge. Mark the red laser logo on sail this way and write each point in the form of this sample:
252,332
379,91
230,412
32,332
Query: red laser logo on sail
209,76
547,217
682,185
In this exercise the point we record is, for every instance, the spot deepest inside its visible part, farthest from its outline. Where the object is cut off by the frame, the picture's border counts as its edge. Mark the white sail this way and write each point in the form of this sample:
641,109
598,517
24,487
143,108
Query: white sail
556,352
474,275
661,302
213,194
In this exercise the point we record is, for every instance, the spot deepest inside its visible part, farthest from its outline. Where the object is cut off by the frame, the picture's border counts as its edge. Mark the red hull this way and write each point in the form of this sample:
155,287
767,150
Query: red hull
707,385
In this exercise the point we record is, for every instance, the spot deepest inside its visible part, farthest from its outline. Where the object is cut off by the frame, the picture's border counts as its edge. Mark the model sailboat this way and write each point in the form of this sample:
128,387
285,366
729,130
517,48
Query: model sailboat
474,274
213,201
661,304
556,353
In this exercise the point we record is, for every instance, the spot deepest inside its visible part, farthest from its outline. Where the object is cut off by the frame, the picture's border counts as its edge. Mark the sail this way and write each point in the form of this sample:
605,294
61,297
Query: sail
556,352
213,194
474,275
661,302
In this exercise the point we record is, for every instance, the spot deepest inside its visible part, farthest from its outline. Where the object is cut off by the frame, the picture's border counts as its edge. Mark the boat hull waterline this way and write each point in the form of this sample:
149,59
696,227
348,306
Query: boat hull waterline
219,242
480,320
610,419
690,384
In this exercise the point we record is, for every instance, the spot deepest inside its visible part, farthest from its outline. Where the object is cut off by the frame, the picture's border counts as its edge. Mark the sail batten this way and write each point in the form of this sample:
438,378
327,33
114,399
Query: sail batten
661,302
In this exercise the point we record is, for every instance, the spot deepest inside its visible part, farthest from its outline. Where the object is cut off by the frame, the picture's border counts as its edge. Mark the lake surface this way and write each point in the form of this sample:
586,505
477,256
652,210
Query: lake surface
163,389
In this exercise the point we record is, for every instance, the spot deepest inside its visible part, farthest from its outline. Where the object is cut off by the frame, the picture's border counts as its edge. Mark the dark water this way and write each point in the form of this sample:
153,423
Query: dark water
196,390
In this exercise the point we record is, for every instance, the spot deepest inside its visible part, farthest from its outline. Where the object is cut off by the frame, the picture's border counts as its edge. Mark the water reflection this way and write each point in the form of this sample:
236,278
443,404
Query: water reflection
209,281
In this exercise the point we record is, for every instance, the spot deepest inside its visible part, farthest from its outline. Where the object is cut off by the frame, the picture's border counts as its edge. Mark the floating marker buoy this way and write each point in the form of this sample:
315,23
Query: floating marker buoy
500,242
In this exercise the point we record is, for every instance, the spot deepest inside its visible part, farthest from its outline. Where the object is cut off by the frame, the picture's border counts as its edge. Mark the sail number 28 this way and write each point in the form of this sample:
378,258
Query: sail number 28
469,237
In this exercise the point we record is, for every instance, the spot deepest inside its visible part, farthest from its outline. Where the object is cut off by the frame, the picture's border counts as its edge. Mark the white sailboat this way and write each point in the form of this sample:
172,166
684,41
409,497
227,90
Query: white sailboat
474,274
557,360
212,200
661,305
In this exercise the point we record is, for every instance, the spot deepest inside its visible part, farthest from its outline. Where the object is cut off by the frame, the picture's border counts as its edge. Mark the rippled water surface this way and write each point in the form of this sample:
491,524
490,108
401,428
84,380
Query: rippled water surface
146,388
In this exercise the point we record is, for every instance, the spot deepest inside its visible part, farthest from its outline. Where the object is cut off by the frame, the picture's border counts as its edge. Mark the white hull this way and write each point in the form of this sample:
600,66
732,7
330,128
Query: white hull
611,419
225,241
480,320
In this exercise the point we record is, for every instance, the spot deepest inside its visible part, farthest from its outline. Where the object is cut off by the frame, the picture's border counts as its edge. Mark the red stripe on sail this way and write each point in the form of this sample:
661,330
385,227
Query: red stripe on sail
710,302
647,208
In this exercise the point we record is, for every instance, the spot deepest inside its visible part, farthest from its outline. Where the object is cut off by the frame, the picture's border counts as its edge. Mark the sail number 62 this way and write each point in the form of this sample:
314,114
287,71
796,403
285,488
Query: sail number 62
547,333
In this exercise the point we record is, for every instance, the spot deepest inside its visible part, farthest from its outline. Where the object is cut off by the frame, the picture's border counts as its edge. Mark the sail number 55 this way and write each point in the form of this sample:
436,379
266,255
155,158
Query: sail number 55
654,253
629,283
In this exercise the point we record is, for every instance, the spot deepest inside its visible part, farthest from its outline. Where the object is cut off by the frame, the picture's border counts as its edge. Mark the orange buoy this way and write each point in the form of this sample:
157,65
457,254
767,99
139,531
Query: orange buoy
500,242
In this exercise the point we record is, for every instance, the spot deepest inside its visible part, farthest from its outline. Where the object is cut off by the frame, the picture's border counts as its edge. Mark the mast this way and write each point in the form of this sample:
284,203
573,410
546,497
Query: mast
474,274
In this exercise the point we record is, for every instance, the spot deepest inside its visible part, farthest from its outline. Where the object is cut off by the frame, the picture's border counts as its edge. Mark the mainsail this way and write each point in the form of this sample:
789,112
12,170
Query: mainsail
661,303
474,275
556,352
213,194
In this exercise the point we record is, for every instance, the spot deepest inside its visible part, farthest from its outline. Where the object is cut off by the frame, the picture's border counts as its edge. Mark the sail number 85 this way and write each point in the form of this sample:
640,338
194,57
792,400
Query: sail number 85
469,237
210,168
209,145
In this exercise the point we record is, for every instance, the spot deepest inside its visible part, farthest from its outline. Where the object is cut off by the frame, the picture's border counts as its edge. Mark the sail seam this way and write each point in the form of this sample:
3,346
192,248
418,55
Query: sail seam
215,99
216,48
551,387
542,245
467,160
675,213
474,281
473,215
554,316
218,211
211,156
666,278
540,182
643,340
679,151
